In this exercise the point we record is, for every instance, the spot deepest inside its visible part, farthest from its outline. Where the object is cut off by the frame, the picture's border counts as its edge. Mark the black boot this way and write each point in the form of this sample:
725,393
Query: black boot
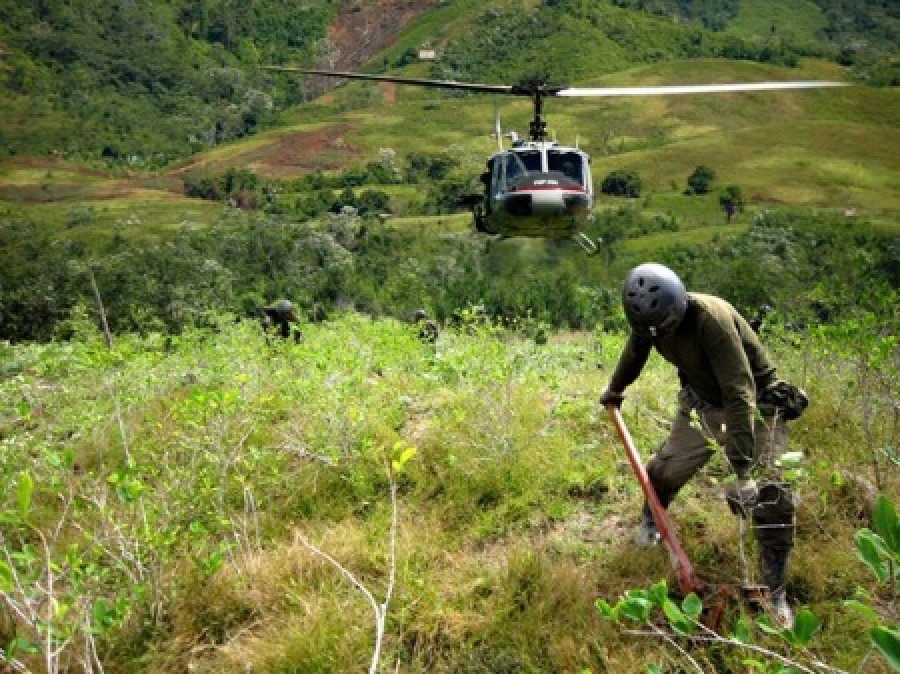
773,566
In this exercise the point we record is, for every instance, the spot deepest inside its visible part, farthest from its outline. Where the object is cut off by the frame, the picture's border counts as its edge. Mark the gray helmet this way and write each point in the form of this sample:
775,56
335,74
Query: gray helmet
420,315
284,307
654,299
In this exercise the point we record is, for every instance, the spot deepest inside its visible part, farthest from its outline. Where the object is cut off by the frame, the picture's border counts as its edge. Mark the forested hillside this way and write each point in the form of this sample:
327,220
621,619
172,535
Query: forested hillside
110,91
144,83
83,78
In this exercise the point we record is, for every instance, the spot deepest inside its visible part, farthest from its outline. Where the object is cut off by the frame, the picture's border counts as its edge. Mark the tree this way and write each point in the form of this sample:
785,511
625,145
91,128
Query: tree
372,202
732,201
700,180
622,184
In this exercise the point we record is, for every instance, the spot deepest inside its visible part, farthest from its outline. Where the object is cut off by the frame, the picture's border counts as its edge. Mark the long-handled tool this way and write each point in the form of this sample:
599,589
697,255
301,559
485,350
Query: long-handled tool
683,570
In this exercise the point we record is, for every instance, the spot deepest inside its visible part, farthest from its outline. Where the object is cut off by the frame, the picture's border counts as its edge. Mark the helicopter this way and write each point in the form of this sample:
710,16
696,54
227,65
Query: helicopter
538,188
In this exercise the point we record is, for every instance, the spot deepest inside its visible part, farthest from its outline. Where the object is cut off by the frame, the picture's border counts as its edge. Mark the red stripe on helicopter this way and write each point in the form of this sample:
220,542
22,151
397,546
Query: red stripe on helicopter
547,188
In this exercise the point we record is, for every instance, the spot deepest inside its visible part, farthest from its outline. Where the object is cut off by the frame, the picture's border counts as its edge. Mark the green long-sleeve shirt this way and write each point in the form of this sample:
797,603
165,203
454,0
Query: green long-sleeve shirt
719,356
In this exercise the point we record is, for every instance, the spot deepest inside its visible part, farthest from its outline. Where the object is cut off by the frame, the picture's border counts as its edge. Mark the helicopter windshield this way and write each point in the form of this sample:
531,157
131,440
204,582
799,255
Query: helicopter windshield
566,162
530,159
514,167
520,163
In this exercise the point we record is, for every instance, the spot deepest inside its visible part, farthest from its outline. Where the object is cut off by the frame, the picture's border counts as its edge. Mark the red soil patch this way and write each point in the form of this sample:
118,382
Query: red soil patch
303,152
288,156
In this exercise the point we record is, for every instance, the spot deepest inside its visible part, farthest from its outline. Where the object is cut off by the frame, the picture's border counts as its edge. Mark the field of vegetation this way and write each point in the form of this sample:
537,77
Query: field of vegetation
215,503
180,493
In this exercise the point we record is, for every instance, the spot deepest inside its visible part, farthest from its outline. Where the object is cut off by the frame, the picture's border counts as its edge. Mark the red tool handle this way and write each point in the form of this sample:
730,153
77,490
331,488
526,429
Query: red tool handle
683,570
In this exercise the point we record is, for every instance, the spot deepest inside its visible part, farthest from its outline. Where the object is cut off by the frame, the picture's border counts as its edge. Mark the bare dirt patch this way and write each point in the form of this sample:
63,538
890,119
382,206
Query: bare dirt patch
365,27
290,155
299,153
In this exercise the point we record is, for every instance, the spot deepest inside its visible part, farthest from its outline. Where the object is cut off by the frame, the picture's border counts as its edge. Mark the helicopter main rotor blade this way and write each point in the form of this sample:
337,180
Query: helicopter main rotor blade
695,88
446,84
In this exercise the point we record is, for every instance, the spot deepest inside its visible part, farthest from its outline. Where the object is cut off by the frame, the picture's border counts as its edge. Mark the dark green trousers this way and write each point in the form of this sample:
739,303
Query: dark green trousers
698,429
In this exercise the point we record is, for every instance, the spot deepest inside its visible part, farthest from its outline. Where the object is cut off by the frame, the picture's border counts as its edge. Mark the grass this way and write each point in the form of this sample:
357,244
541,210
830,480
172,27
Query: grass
515,511
651,243
801,20
459,222
147,217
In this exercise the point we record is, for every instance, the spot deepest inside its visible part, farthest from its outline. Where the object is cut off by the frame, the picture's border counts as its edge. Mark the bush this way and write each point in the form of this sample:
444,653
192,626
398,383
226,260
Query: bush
700,180
622,184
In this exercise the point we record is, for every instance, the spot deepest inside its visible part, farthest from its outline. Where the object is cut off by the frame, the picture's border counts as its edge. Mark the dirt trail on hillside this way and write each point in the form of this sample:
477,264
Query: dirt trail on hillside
287,156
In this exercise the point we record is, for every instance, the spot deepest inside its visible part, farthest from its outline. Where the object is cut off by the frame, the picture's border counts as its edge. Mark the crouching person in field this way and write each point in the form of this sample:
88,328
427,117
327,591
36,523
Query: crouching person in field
729,397
277,318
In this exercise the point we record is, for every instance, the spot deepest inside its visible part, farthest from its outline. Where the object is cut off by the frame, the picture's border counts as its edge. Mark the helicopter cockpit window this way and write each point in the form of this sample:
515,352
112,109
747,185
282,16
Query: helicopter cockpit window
531,159
515,167
568,163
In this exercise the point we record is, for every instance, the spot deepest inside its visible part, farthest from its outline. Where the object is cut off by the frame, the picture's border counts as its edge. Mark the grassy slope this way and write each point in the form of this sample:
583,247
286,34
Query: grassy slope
800,19
829,148
514,513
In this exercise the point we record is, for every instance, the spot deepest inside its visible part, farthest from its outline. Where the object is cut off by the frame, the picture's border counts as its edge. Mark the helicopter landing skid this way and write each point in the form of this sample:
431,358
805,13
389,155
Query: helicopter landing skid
586,243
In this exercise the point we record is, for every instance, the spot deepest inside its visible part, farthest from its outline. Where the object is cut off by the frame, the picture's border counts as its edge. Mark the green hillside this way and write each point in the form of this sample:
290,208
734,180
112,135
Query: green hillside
829,150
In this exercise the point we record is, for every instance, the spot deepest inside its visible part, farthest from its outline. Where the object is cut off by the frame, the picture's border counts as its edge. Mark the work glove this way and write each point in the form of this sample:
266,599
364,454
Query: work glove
742,496
609,397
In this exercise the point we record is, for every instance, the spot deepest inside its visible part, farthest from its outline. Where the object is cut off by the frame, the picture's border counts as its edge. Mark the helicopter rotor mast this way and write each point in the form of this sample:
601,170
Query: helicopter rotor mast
538,90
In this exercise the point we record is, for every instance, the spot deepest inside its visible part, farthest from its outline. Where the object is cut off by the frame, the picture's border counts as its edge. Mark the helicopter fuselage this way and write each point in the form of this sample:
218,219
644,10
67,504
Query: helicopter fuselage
536,189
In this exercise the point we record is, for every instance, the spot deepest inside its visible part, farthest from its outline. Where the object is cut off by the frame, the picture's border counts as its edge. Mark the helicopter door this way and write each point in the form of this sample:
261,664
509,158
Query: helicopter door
514,168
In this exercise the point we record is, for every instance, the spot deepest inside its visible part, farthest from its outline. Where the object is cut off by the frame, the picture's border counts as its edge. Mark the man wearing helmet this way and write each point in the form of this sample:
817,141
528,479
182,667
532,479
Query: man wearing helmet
722,368
279,316
428,329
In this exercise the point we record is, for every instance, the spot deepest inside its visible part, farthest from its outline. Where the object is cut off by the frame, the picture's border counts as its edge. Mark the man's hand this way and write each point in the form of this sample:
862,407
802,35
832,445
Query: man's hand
742,496
609,397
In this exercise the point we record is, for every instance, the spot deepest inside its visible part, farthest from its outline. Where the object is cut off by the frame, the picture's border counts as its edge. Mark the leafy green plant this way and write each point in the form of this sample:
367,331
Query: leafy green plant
639,611
879,550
